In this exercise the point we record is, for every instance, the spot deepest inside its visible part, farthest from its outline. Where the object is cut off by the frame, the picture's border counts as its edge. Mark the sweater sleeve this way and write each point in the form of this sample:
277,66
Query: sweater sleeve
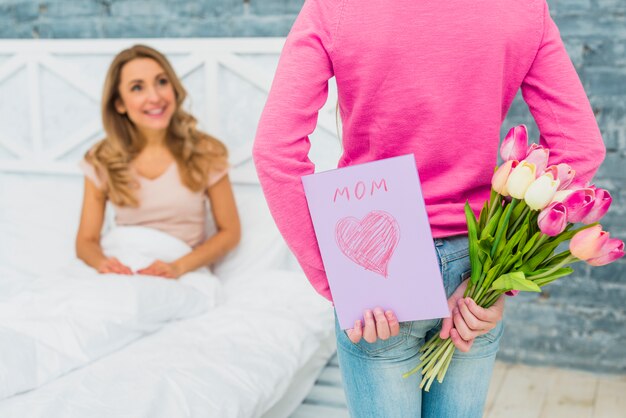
281,146
560,107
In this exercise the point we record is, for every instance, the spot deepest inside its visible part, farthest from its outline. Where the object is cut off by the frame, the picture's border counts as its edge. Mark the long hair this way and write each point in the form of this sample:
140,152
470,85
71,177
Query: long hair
195,152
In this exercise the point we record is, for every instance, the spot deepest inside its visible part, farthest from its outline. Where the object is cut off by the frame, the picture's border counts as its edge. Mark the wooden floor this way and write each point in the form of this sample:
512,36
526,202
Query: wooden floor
516,391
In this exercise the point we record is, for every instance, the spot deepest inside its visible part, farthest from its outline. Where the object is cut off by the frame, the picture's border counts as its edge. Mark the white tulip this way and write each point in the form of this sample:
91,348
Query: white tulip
541,191
520,178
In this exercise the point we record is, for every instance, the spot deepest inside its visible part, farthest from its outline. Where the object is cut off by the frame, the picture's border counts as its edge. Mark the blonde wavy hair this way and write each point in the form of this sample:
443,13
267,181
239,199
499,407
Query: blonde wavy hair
195,152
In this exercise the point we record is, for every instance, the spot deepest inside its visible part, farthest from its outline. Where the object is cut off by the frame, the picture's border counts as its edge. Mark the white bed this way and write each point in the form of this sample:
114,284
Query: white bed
251,345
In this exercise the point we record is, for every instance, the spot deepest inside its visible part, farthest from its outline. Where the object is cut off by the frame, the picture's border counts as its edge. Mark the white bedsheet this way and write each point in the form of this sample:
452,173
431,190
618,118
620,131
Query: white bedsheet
235,360
55,323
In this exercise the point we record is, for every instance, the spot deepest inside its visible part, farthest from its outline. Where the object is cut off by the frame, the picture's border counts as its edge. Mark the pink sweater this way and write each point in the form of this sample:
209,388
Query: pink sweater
431,78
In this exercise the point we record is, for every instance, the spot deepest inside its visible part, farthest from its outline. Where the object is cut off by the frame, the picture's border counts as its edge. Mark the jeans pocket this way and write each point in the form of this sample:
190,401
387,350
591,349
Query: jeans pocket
454,281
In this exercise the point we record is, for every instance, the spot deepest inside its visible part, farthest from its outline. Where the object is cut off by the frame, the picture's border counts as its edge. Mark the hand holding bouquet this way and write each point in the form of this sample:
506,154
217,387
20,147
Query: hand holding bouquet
512,244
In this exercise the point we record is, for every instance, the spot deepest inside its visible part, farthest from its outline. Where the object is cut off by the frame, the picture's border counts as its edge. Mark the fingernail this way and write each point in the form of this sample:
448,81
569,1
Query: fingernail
368,314
468,301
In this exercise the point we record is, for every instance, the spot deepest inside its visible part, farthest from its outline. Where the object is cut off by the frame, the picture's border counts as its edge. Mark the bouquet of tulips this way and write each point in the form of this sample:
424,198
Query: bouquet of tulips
512,244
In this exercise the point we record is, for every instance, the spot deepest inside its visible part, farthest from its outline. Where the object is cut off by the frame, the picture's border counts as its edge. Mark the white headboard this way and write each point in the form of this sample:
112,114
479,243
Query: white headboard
50,97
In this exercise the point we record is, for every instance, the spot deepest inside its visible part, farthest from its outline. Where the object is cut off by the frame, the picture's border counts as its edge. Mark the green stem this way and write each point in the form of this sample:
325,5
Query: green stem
492,208
440,364
434,356
491,299
427,353
444,369
503,226
542,239
520,218
469,290
429,343
567,260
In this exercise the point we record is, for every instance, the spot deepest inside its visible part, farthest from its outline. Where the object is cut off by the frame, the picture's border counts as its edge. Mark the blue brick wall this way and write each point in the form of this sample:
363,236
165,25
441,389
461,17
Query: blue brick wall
578,322
145,18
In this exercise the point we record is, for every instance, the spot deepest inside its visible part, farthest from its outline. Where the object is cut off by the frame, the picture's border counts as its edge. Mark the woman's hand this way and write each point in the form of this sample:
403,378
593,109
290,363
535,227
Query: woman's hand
378,324
162,269
468,320
113,265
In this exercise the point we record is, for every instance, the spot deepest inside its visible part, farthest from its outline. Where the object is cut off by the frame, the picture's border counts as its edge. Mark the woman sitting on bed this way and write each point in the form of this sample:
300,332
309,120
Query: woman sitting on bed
156,169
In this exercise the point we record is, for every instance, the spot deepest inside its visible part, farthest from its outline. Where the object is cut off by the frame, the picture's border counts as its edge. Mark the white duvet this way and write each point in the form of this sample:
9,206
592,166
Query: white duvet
61,321
236,359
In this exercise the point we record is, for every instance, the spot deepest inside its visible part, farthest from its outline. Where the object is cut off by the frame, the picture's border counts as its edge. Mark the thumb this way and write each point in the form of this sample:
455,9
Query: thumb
355,334
446,326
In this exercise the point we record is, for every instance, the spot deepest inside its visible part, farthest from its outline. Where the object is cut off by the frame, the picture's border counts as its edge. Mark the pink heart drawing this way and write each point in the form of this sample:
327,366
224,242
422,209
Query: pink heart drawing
370,242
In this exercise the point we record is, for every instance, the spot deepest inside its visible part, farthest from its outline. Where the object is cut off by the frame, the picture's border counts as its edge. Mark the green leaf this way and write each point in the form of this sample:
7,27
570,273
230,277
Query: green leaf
492,224
473,242
482,220
518,211
555,260
494,194
531,242
515,281
484,244
487,264
491,275
542,254
522,240
502,226
514,240
514,262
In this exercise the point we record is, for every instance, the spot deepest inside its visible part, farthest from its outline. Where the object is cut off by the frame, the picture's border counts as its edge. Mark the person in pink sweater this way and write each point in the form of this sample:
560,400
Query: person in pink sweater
432,79
155,168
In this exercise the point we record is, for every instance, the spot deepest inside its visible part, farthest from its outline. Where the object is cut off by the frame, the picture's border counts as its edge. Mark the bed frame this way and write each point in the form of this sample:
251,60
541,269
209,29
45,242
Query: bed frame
50,93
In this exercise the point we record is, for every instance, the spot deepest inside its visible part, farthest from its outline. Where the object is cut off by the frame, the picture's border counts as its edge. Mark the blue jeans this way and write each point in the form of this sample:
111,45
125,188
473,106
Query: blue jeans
372,373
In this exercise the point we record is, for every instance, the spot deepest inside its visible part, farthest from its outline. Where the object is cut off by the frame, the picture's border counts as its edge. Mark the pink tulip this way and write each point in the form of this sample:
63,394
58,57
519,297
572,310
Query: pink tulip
500,177
538,155
514,144
579,204
600,207
553,219
587,243
611,250
565,175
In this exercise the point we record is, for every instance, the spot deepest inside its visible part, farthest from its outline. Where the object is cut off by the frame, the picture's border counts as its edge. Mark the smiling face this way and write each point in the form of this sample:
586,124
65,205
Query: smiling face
146,95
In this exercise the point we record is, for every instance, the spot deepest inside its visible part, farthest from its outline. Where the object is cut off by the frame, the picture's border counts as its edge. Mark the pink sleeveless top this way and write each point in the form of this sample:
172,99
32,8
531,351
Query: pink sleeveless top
165,203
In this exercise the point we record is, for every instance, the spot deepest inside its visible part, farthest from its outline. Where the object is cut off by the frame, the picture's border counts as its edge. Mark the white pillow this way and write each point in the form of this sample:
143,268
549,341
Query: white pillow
39,216
261,247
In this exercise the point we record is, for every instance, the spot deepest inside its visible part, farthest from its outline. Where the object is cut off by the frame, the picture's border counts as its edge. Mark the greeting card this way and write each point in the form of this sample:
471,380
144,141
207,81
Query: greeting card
375,240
